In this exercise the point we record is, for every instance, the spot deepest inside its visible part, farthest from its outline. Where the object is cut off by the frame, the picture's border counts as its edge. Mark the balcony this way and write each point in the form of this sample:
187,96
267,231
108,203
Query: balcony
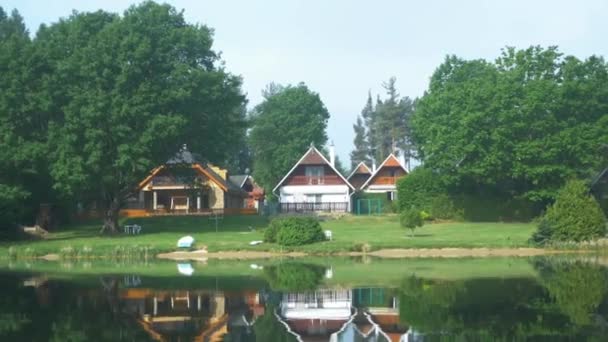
385,180
315,180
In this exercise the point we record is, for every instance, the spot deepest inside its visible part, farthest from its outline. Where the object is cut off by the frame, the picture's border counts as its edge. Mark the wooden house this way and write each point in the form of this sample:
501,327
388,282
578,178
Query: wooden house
314,185
186,185
384,179
359,175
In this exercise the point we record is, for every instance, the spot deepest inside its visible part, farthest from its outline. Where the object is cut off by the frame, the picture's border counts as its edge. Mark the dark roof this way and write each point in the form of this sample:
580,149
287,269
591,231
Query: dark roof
238,180
599,177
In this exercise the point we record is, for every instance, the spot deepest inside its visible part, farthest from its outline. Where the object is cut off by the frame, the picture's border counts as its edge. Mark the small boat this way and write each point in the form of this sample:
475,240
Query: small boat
185,242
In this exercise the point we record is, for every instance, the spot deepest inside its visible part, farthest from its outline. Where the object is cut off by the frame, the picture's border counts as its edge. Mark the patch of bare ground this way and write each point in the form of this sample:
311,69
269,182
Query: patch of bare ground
238,255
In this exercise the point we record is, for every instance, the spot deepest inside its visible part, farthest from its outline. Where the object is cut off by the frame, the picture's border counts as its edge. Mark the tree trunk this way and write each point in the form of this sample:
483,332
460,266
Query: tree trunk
110,220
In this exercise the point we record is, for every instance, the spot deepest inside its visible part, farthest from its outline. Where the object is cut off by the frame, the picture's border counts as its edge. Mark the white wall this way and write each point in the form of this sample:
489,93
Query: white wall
300,193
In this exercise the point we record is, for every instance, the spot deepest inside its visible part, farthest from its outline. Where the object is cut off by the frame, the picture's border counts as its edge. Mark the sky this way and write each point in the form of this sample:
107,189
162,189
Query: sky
343,49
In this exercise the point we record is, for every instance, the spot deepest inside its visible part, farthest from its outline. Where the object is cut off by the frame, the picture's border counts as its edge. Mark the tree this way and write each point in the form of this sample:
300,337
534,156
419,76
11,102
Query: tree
283,126
132,90
411,219
22,148
575,216
515,128
385,127
361,151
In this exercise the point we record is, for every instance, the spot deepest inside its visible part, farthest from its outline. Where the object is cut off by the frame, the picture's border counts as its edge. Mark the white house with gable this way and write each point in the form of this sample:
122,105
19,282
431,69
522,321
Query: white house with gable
314,185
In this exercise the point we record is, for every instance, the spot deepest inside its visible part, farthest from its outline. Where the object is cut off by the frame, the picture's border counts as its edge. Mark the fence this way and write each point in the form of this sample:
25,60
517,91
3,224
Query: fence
305,207
368,206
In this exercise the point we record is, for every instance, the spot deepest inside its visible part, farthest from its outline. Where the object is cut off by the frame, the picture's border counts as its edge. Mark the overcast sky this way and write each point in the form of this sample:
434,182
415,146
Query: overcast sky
343,49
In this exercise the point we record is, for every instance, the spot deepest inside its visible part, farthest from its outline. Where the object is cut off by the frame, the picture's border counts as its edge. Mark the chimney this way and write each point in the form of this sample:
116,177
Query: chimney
332,154
374,166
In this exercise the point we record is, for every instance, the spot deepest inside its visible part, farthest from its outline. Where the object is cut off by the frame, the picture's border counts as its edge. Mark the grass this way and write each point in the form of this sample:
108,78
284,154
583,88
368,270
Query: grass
350,233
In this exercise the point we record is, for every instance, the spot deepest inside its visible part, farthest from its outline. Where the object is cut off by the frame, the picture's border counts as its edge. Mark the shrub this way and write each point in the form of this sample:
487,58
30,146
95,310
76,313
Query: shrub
575,216
411,219
442,207
417,188
297,231
270,233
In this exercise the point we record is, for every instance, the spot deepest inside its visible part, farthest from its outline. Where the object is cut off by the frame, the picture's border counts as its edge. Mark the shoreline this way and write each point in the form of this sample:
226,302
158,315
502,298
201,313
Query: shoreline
381,253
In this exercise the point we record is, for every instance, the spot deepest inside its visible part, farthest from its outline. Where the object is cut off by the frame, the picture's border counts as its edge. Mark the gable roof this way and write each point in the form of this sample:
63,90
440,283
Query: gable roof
238,180
313,156
391,160
361,168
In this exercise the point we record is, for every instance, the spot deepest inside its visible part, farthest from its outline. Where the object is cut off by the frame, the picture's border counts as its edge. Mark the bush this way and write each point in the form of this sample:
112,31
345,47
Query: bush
442,207
418,188
575,216
297,231
270,233
411,219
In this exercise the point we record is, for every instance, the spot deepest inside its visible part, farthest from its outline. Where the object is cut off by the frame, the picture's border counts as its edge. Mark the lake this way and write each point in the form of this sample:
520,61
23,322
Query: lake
311,299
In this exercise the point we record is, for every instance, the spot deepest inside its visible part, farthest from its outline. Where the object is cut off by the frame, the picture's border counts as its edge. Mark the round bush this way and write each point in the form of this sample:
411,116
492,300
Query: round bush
575,216
297,231
270,233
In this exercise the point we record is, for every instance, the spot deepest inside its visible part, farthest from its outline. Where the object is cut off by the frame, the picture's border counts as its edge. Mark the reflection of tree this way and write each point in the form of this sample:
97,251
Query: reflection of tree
509,309
578,288
294,276
268,328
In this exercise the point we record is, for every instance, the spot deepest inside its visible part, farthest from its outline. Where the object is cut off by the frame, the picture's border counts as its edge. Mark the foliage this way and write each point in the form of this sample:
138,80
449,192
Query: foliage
297,231
578,288
418,189
575,216
385,127
283,126
294,276
518,127
441,206
270,233
411,218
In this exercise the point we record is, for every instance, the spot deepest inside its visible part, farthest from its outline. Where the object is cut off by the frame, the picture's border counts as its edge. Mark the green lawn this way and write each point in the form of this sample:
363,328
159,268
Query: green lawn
235,232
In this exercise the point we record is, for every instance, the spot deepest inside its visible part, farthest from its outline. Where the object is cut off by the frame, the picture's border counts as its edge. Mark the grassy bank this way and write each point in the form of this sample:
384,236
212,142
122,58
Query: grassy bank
350,233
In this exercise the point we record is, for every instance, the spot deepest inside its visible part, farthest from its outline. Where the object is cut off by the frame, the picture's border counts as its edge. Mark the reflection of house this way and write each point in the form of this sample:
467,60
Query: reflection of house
384,179
359,175
197,315
185,185
381,309
315,316
314,185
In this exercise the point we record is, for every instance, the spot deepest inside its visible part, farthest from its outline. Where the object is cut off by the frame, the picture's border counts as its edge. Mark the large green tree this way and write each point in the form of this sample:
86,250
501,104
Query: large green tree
284,125
517,127
126,92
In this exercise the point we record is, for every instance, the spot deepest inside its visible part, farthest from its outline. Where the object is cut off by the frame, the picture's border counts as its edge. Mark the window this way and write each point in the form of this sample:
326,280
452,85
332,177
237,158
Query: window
314,174
315,198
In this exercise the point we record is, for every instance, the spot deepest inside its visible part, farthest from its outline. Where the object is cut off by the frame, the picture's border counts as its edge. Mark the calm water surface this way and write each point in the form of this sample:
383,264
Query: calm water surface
306,300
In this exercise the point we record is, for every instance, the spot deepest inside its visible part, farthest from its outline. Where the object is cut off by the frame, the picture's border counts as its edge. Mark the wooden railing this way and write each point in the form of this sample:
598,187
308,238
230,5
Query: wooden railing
304,207
384,180
314,180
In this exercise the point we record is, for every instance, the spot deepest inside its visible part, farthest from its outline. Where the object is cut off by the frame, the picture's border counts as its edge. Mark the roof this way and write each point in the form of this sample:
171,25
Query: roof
391,160
184,156
599,177
313,156
361,168
238,180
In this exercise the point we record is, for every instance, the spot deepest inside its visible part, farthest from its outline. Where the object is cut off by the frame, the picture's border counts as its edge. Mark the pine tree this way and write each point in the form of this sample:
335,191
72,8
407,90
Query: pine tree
361,151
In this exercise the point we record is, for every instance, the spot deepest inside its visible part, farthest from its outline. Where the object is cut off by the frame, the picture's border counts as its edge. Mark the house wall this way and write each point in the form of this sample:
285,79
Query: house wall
358,179
333,179
387,172
299,193
216,197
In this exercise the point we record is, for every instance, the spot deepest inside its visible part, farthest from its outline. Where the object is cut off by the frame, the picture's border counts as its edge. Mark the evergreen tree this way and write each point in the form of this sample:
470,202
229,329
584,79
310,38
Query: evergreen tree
361,152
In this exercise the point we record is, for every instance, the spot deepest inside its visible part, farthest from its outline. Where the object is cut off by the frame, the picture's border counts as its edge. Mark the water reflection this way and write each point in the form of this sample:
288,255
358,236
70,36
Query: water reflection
294,301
